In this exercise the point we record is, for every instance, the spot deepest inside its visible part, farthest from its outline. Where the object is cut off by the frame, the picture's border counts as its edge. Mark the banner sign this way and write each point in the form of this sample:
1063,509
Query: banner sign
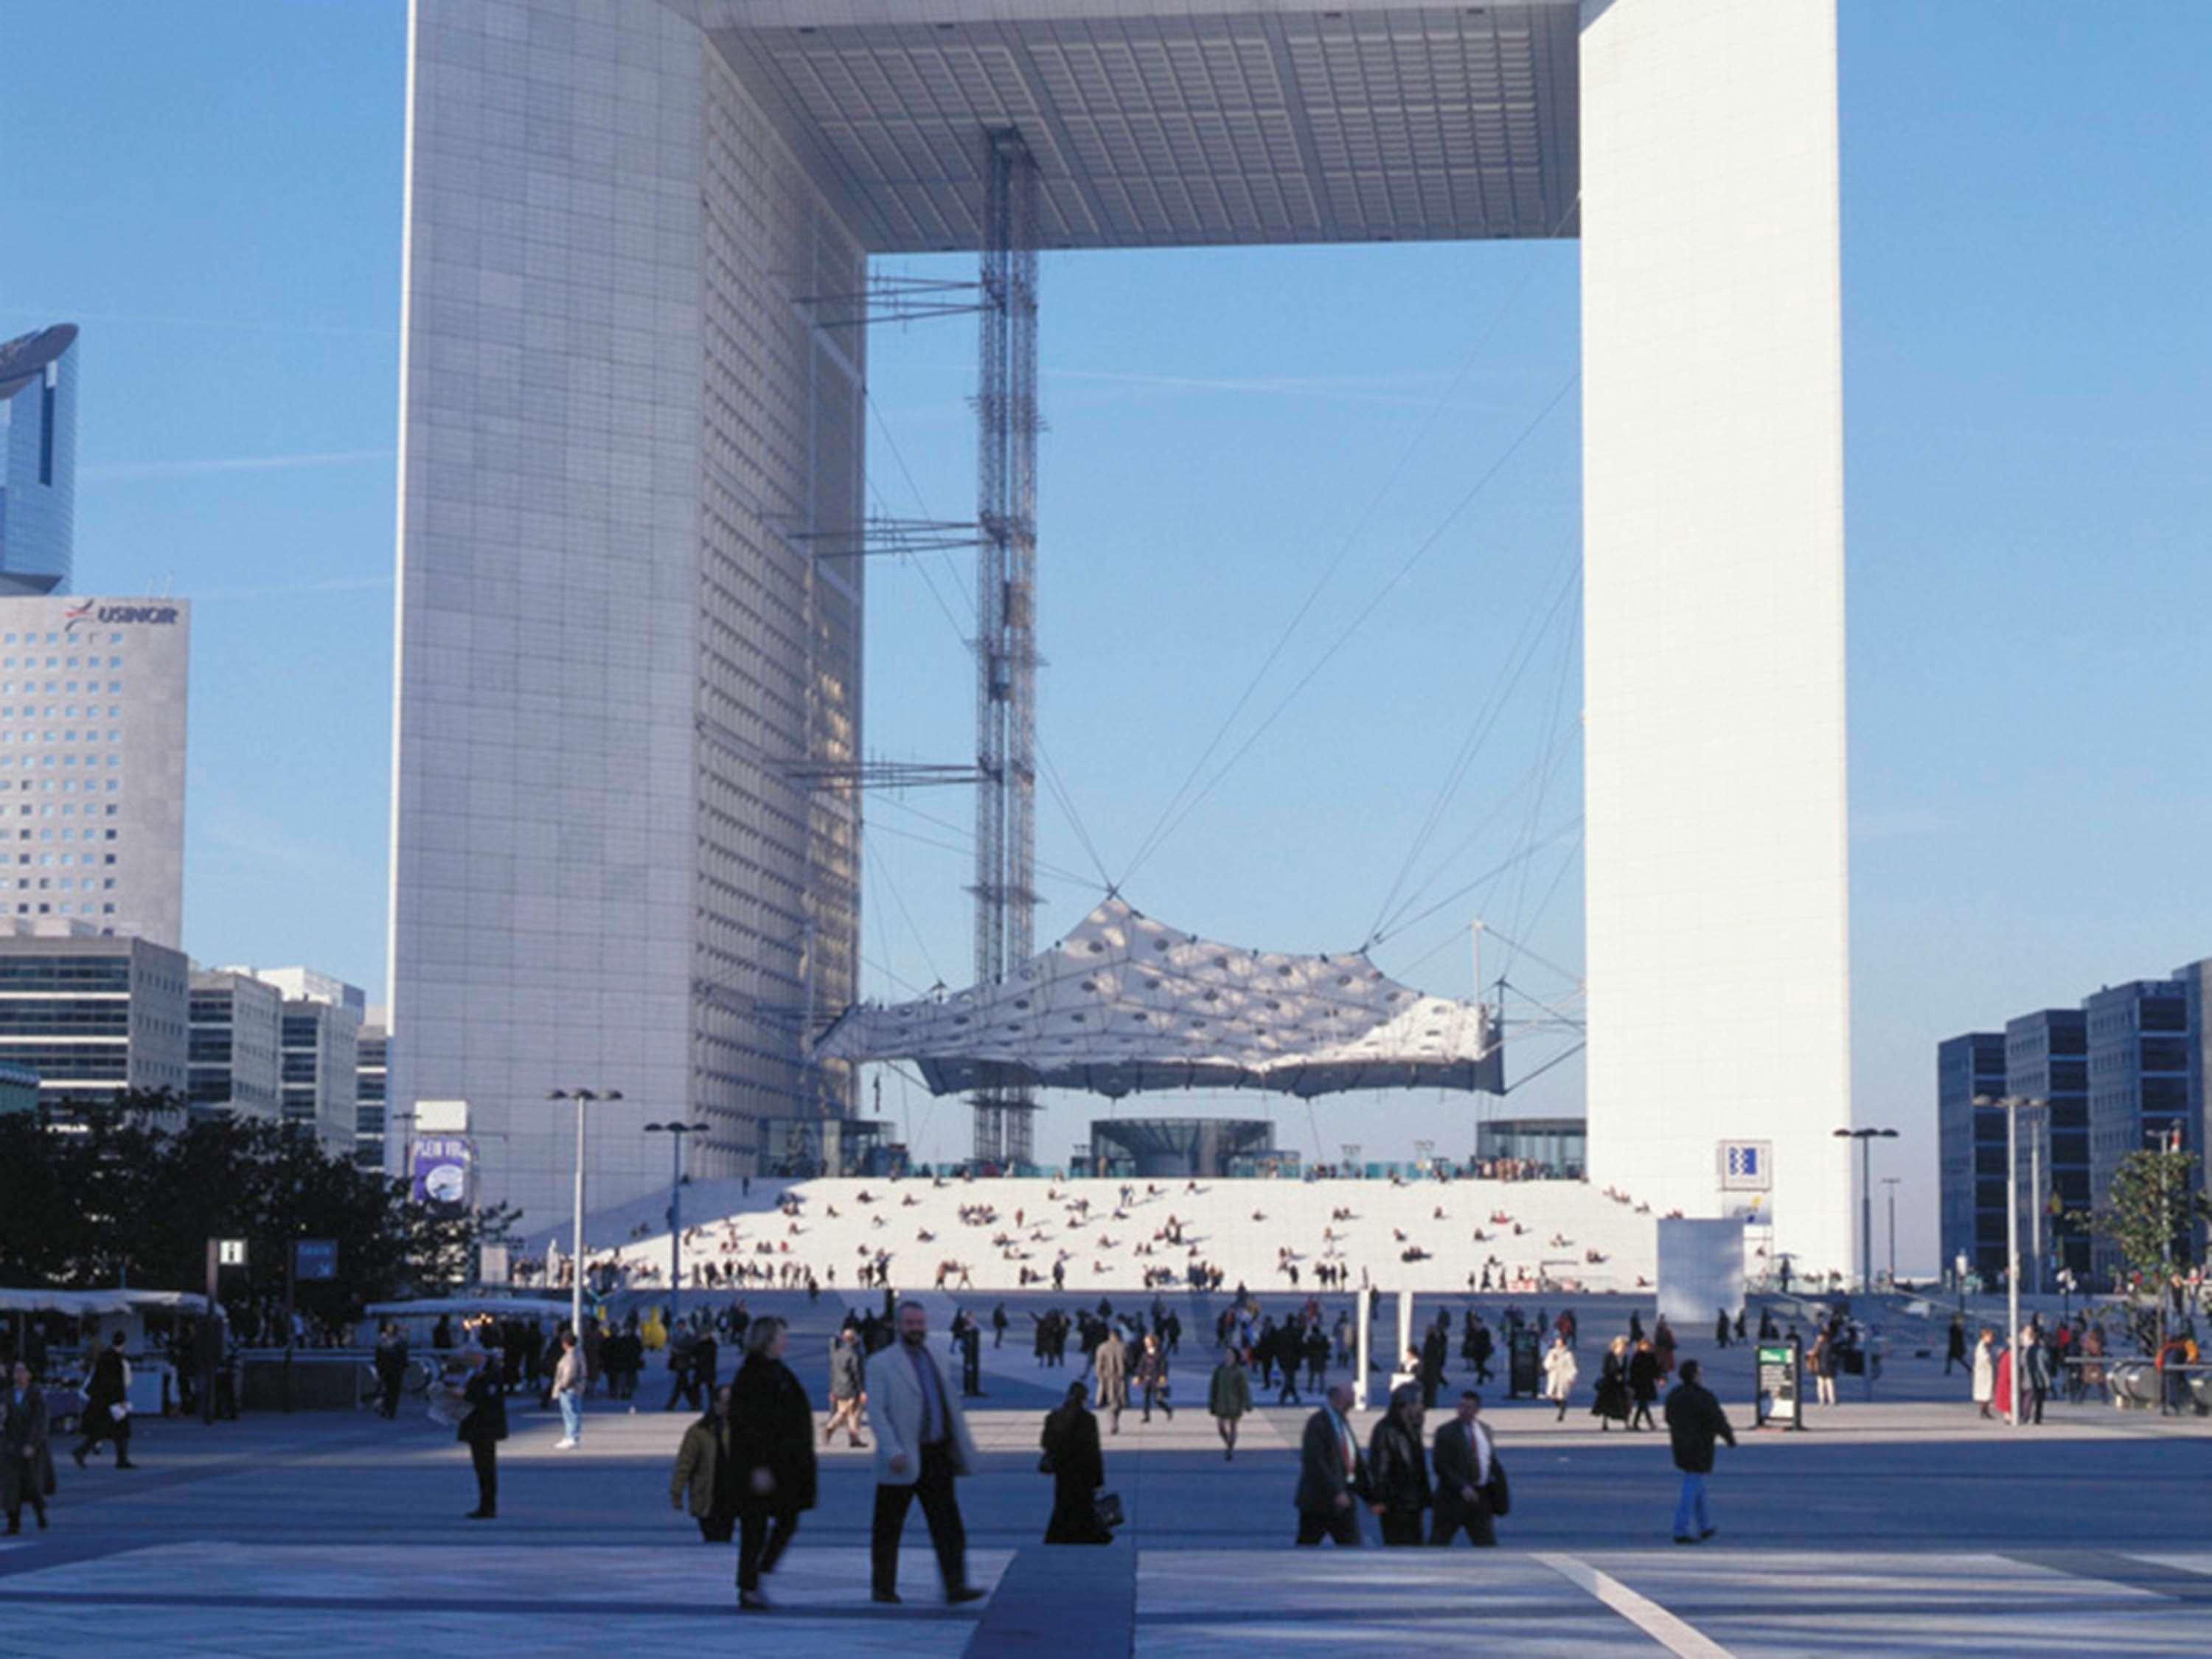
1747,1166
443,1164
314,1258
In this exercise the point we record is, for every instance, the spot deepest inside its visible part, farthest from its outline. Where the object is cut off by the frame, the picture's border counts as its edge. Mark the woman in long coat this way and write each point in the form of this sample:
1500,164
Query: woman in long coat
1559,1373
1643,1382
1609,1403
1079,1470
1398,1469
1985,1370
771,1456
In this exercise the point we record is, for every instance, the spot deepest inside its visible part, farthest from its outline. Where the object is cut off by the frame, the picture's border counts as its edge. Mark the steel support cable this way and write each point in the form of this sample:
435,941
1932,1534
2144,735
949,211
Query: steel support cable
1536,775
1556,1059
1490,874
1064,800
1534,630
1057,872
1052,871
1574,852
1567,974
1553,751
1360,619
899,899
1343,551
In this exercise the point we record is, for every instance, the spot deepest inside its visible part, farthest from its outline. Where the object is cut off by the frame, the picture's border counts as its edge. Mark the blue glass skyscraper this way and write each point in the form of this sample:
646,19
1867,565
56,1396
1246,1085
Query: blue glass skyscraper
38,460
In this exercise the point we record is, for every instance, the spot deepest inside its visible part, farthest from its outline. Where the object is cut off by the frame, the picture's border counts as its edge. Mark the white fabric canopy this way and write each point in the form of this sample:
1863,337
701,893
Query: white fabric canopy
1125,1003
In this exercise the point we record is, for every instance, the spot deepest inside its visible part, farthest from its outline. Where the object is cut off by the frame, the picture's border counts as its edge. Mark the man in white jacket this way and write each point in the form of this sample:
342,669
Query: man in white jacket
921,1443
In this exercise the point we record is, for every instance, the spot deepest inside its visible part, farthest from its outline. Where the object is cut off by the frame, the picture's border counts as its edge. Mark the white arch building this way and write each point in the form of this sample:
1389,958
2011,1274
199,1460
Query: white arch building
621,410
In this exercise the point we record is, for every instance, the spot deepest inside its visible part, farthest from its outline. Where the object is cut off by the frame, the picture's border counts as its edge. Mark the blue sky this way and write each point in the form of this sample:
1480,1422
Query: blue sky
214,193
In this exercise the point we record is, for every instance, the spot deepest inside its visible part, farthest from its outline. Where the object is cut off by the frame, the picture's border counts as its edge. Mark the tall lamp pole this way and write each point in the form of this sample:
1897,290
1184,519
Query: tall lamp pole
2013,1105
1890,1181
675,1132
583,1098
1866,1138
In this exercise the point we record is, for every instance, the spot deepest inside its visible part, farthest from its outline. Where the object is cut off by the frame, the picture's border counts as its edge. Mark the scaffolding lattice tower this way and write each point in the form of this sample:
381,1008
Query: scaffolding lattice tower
1005,587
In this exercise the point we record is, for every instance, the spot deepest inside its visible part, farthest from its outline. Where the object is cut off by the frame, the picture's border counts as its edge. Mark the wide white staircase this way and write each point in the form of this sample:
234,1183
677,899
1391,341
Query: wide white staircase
1007,1234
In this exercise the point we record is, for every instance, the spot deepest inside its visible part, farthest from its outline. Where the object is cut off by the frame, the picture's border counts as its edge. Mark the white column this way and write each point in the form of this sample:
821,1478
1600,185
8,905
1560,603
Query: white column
1712,414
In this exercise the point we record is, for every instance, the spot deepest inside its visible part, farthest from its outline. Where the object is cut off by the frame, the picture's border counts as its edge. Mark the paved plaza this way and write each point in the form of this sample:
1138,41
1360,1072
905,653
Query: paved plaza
1906,1526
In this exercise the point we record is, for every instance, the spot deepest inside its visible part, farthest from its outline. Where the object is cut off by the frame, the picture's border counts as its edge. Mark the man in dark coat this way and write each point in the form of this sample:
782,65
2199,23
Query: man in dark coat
771,1456
483,1426
1433,1348
1465,1462
26,1462
1331,1474
390,1368
705,1477
1398,1472
108,1405
1694,1421
1079,1470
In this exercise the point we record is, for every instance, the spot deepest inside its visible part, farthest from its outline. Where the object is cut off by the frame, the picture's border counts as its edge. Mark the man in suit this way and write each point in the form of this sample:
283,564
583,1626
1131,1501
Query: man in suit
1111,1362
107,1405
1462,1458
1331,1474
921,1443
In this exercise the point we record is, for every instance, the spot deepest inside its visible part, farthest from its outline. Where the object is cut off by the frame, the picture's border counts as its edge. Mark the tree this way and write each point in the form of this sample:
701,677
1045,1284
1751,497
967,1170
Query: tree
130,1191
2149,1215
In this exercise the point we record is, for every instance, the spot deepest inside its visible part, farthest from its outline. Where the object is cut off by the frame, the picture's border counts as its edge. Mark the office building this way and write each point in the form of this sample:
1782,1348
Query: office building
371,1057
91,1015
319,1054
2046,1059
638,236
2139,1052
1970,1153
92,762
236,1030
38,460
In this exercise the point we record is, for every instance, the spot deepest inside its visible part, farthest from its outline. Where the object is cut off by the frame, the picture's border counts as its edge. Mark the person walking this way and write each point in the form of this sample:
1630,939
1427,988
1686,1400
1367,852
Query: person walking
1721,1329
108,1405
680,1343
390,1368
922,1444
1468,1492
2035,1375
26,1457
1644,1383
1609,1400
1331,1474
568,1378
1398,1469
1229,1397
847,1394
1823,1362
1559,1373
1662,1345
771,1456
704,1477
1954,1349
1152,1377
483,1426
1110,1365
1077,1468
1985,1370
1694,1422
999,1323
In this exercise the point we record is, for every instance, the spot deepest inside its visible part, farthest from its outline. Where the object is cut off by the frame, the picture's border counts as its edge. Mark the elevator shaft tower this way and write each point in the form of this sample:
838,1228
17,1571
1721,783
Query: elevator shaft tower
1005,611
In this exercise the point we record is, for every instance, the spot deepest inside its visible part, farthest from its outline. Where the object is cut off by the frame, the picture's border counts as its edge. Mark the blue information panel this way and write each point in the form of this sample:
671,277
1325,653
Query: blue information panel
315,1258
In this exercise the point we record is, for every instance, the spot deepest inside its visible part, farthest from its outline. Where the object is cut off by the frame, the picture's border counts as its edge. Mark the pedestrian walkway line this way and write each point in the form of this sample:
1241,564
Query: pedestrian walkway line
1677,1637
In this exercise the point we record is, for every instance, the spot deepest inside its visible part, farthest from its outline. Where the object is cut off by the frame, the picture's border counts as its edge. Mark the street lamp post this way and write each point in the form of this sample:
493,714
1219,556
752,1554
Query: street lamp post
1866,1138
675,1132
583,1098
1890,1181
2013,1106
